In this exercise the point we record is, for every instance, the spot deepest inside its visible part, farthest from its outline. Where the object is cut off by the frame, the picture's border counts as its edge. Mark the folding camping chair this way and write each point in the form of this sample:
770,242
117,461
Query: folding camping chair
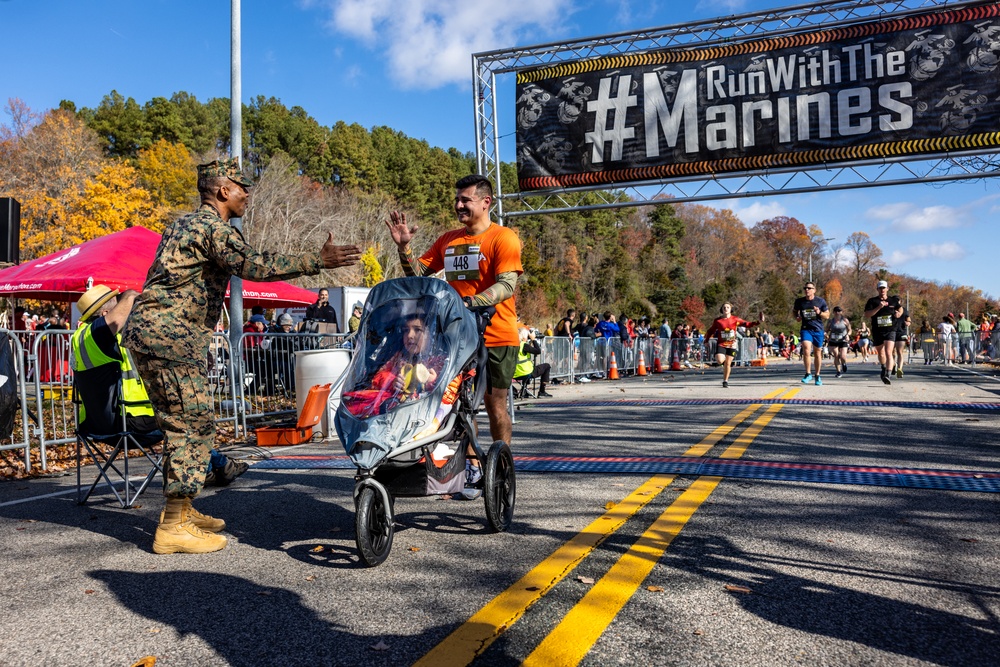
106,448
525,383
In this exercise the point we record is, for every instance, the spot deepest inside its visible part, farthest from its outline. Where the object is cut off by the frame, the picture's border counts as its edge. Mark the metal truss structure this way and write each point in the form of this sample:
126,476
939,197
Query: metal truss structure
488,66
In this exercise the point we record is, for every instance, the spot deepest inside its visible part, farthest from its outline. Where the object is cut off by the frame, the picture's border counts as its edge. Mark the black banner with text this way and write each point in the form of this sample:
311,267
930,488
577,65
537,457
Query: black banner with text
916,85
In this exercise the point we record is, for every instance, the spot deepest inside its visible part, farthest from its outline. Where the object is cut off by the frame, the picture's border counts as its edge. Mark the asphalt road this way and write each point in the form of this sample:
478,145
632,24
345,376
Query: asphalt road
597,569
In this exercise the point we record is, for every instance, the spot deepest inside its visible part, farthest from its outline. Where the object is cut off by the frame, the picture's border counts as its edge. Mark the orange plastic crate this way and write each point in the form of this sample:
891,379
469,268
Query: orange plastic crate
312,410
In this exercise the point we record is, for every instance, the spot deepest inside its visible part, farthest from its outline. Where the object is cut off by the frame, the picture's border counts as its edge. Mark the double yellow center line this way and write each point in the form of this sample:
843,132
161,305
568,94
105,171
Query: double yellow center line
573,637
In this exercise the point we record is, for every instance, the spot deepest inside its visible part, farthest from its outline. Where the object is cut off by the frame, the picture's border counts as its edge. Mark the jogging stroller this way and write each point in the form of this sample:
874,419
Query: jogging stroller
408,407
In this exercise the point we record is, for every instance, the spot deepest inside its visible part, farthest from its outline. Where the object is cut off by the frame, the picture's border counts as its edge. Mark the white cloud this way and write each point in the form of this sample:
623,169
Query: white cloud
429,43
757,211
907,217
949,252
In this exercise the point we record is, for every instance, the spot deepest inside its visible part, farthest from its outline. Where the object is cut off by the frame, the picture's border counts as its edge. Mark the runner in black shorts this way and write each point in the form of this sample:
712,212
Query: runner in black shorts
884,310
839,331
902,340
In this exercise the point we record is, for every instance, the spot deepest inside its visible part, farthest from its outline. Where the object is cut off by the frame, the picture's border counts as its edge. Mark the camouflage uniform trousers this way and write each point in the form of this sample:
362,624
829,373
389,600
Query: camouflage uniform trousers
183,406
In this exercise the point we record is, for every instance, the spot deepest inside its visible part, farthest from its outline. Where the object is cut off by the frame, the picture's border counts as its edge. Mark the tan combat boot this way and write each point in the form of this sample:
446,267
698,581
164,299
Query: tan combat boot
207,523
177,532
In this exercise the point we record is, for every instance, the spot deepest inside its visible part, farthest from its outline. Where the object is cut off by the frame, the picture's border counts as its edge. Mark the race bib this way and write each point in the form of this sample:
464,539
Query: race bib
837,337
809,314
728,334
461,262
884,321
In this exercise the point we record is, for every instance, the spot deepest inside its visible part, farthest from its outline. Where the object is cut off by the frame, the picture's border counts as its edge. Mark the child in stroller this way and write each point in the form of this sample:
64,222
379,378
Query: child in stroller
407,375
408,407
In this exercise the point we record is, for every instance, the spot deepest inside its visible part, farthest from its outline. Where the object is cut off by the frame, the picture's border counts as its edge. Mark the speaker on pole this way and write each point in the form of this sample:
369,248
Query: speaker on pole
10,231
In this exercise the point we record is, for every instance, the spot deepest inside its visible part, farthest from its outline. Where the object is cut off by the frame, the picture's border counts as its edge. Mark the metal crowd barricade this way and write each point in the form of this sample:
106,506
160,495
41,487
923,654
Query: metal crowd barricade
19,438
50,366
746,351
558,352
645,346
707,350
227,399
571,358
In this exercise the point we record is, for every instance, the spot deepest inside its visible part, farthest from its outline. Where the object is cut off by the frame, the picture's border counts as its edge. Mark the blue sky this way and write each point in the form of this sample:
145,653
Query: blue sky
407,64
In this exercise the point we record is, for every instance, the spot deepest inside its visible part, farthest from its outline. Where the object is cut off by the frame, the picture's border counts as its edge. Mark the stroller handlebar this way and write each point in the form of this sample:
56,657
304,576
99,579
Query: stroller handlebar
484,315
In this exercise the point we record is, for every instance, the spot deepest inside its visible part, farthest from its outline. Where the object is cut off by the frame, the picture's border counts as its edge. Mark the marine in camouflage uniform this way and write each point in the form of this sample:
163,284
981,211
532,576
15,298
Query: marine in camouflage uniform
171,326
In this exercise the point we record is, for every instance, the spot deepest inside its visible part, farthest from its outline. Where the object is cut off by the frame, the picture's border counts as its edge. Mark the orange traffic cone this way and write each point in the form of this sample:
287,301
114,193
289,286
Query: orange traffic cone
657,368
613,372
675,364
642,364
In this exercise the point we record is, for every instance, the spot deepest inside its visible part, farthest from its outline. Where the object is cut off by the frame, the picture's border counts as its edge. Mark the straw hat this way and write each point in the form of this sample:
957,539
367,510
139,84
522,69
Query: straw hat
93,300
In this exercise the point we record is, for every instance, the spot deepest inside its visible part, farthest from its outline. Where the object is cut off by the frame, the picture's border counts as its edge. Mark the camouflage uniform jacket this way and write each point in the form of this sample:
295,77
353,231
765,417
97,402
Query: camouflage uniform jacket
182,299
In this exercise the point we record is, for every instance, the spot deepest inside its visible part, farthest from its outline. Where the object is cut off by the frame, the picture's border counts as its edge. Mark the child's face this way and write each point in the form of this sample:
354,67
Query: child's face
415,336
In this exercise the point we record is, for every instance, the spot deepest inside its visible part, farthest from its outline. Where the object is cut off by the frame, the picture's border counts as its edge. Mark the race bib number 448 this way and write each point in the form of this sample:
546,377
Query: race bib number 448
461,262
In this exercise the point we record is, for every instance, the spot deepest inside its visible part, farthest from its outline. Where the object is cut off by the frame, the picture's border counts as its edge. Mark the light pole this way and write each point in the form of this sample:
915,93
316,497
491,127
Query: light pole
813,247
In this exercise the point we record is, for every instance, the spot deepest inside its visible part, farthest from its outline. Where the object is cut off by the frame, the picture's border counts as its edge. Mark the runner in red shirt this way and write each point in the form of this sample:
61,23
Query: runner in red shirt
723,329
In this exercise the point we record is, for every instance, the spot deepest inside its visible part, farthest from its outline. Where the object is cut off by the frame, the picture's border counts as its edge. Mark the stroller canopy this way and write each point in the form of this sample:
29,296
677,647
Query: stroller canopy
416,338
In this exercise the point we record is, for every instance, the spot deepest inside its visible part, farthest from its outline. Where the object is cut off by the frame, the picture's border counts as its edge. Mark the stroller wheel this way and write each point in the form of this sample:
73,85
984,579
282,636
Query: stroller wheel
373,524
499,487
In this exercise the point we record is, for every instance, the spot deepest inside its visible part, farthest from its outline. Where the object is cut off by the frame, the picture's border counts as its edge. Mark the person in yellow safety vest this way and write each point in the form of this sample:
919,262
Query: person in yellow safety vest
99,361
526,366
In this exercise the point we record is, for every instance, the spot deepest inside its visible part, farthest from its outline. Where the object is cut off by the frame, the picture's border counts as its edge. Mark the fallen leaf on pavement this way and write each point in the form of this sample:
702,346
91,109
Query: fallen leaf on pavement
654,589
585,580
381,646
697,632
266,593
317,549
153,631
311,577
413,549
533,588
148,661
969,539
609,505
89,591
737,589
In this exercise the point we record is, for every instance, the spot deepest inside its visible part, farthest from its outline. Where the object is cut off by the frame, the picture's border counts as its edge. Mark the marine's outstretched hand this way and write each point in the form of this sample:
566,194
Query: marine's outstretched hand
336,256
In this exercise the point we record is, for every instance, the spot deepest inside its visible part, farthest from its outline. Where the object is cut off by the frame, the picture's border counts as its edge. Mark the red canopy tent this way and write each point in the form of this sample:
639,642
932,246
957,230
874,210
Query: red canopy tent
120,261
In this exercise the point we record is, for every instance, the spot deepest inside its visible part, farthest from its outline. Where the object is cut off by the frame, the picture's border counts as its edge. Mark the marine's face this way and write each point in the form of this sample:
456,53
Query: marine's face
415,336
239,196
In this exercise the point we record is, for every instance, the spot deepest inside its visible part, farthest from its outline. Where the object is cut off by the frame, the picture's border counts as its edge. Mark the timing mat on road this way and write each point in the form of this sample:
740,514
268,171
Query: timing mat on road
932,405
915,478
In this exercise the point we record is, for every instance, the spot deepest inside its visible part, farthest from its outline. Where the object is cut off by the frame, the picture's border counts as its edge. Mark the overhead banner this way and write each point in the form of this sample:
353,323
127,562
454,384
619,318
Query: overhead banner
917,85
